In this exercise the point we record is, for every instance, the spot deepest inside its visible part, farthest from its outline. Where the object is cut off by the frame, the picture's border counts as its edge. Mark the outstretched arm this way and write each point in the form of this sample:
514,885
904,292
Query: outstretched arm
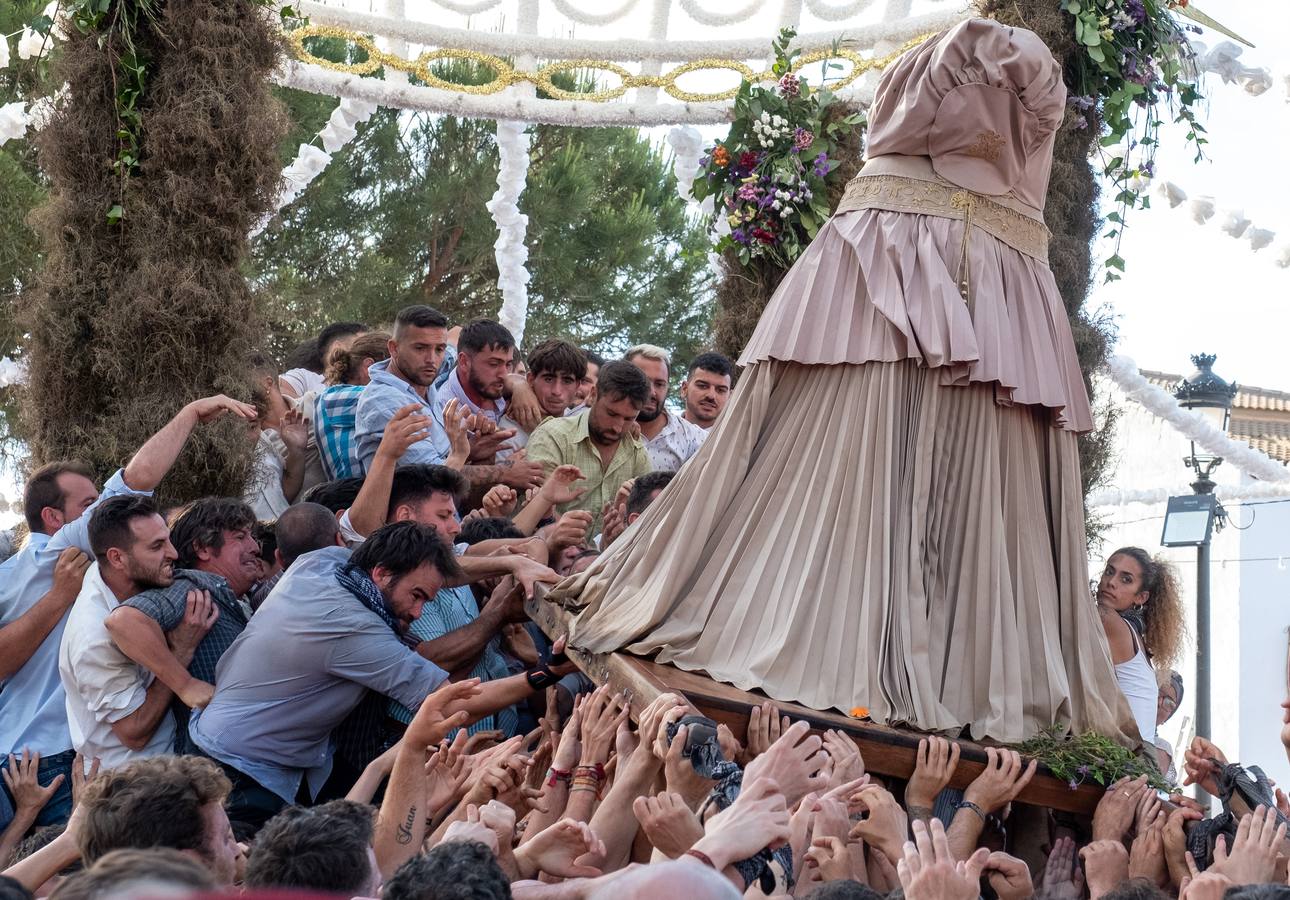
154,459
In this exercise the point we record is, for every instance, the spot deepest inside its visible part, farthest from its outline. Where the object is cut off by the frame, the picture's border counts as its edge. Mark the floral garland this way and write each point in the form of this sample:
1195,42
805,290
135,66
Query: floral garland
770,176
1137,64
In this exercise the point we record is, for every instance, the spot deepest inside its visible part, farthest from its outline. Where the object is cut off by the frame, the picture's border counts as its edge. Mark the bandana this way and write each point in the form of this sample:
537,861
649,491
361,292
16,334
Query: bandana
360,584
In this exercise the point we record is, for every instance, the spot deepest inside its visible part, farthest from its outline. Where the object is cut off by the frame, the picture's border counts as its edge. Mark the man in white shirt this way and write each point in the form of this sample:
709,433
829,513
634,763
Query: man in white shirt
116,710
669,439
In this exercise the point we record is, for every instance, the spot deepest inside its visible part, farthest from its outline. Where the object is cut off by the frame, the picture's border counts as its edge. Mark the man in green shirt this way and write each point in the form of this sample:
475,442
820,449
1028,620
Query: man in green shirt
600,441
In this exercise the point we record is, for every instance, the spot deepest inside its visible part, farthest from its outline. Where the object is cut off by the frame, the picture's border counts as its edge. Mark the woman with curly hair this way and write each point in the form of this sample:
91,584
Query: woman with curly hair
1142,614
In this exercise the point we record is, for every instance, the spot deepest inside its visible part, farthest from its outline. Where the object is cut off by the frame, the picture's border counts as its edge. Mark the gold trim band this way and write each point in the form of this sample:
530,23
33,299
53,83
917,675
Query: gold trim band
899,193
505,74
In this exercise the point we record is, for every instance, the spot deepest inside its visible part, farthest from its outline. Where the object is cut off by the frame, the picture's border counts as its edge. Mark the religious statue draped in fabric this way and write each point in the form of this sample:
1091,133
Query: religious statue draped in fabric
889,514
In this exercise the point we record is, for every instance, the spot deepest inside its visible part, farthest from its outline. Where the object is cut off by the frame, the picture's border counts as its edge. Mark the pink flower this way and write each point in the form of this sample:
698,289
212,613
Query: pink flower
789,86
802,138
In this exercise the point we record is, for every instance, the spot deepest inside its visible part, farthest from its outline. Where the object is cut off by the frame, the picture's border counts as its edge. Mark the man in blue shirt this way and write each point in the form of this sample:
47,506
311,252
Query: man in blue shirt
40,582
331,630
410,377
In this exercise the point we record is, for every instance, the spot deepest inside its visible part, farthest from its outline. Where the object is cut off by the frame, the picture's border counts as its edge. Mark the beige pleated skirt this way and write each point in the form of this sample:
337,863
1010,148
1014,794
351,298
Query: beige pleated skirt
872,534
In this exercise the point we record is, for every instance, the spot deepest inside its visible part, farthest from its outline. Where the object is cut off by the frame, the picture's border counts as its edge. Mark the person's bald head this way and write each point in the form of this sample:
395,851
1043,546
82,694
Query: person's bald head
304,528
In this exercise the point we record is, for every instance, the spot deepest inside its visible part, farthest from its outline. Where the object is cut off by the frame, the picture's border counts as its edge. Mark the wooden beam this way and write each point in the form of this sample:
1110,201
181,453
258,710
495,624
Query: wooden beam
890,752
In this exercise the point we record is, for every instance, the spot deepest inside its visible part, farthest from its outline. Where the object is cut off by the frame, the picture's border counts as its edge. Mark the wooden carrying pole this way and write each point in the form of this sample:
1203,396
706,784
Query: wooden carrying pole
887,751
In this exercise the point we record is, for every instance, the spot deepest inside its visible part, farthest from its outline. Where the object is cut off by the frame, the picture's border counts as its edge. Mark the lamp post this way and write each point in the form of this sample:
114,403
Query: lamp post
1210,395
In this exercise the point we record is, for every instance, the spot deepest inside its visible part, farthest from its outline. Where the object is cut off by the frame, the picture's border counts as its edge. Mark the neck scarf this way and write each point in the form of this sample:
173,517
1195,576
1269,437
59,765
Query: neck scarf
359,583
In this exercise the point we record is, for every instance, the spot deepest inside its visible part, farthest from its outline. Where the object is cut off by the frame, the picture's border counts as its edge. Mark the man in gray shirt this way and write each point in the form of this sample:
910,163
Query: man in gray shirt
331,630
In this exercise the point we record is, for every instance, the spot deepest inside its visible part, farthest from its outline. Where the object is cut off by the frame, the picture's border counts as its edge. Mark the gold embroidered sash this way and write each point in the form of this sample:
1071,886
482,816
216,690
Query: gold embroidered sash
900,193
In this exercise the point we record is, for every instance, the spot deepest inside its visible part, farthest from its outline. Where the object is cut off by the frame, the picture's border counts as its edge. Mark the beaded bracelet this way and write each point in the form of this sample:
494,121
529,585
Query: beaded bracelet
598,770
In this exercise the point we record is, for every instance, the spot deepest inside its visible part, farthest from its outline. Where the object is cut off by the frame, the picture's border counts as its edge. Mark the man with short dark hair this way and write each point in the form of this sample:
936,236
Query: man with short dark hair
325,849
454,870
332,630
407,379
587,384
669,439
707,388
39,584
644,492
598,441
116,710
485,354
555,371
219,558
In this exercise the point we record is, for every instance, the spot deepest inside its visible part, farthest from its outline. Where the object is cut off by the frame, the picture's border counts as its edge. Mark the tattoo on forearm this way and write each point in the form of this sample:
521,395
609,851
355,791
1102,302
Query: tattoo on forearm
404,835
920,813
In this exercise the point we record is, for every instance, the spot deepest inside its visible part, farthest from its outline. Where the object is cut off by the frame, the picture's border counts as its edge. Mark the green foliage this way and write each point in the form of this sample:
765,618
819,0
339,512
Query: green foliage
1080,758
770,177
399,217
1135,63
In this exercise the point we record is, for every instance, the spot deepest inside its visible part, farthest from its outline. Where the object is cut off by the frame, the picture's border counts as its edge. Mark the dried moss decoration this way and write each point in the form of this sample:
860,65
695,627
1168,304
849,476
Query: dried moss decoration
130,321
1089,757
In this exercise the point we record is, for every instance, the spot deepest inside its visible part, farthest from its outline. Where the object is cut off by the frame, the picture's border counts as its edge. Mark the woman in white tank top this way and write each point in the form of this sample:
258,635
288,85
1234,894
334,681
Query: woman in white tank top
1137,597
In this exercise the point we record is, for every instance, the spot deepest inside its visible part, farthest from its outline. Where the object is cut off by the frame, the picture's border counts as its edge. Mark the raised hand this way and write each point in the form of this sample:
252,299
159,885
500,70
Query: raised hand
829,859
1116,810
758,818
600,720
523,406
937,760
208,409
668,822
679,772
1253,857
765,725
1106,864
499,502
1009,876
443,711
1063,880
445,775
522,473
29,797
1202,761
848,764
293,431
885,825
928,871
1147,853
795,763
570,530
560,485
1003,779
406,427
200,613
567,849
471,829
80,777
69,572
455,419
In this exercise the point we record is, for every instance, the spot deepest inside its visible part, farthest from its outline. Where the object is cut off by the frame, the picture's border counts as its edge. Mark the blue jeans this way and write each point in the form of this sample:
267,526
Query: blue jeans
59,807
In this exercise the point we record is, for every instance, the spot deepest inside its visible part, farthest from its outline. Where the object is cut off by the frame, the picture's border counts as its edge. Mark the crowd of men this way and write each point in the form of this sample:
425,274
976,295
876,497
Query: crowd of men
332,684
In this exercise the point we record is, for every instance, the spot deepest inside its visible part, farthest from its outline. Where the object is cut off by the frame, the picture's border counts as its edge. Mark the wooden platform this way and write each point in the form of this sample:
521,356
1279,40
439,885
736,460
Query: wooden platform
889,752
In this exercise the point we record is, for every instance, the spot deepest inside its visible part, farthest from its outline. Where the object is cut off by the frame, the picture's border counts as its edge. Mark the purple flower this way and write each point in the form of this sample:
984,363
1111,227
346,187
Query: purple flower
1081,103
821,166
1135,10
1072,784
740,235
802,138
789,85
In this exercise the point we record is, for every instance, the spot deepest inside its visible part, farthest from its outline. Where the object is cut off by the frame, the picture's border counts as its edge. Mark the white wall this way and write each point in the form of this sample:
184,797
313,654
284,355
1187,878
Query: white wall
1249,593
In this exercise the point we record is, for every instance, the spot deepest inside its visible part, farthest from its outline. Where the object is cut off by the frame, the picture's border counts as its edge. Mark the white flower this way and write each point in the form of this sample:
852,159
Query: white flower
783,213
757,127
807,194
31,44
13,121
55,31
765,117
776,205
4,52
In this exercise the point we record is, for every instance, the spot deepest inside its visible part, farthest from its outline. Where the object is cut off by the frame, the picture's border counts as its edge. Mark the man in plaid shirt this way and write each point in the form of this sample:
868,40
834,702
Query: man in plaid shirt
219,561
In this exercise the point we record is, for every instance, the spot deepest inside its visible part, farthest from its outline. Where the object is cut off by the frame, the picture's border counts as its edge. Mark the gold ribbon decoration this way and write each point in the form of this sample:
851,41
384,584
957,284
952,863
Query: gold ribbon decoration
506,75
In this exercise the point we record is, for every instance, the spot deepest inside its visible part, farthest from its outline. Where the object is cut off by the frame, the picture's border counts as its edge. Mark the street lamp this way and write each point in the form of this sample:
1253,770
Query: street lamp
1190,521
